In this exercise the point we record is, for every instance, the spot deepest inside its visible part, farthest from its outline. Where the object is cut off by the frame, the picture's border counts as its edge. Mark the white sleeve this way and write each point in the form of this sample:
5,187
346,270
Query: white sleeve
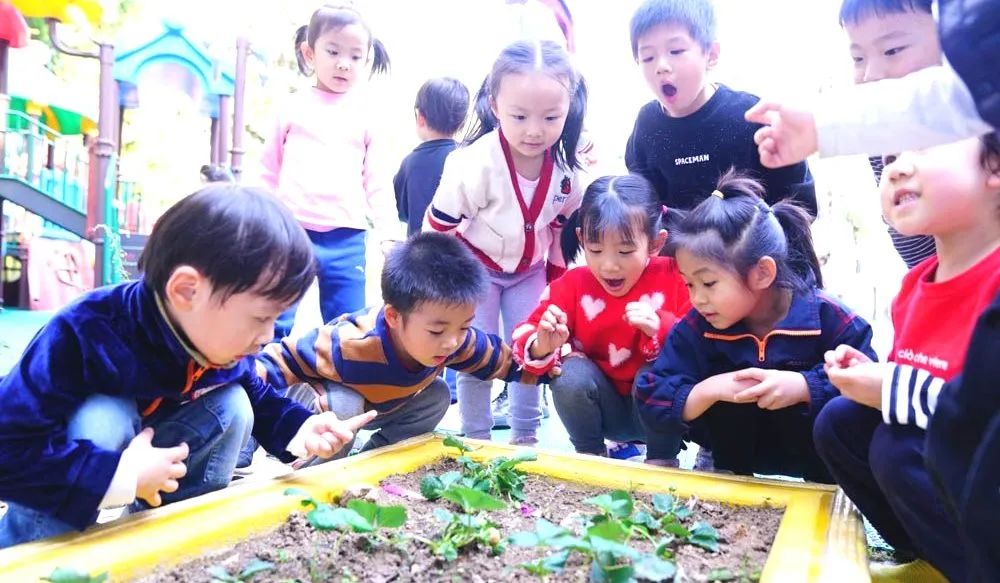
121,491
928,107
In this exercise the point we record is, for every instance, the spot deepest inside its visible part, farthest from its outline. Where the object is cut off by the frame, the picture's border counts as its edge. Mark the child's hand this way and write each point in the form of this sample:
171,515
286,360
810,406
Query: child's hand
159,468
725,387
788,136
552,333
328,434
642,316
772,389
861,383
844,356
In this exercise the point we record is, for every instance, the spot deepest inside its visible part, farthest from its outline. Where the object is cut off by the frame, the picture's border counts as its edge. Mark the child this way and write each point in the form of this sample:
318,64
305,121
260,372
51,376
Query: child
744,369
390,359
164,354
890,39
873,437
441,107
617,309
325,162
929,107
694,130
507,194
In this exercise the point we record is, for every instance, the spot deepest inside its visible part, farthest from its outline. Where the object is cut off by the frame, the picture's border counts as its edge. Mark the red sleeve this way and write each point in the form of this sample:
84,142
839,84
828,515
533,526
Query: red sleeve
561,293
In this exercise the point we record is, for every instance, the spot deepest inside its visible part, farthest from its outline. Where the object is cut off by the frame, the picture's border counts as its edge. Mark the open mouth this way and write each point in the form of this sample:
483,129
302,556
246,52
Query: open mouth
669,90
903,197
614,284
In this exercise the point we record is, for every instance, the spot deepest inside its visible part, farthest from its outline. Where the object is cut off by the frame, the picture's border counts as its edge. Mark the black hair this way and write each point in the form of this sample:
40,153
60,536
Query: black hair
431,267
444,103
737,229
697,16
550,58
854,11
989,158
240,238
614,203
330,17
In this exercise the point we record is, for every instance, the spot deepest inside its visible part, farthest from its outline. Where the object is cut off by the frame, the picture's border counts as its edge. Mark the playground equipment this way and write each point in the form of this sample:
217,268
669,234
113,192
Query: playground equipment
77,187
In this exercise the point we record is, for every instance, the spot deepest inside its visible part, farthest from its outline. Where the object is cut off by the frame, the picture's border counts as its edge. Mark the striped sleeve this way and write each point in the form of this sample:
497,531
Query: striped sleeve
909,395
487,357
452,201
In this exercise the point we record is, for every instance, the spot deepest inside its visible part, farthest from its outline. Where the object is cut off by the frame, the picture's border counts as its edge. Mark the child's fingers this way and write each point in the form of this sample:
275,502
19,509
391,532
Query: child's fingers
762,112
169,486
154,499
359,421
753,393
750,374
177,470
320,445
556,311
177,453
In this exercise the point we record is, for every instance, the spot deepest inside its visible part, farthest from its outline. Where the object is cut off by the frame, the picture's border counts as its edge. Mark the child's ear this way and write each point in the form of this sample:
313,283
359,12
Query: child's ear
579,235
307,52
185,287
656,245
421,120
713,55
393,317
493,107
763,274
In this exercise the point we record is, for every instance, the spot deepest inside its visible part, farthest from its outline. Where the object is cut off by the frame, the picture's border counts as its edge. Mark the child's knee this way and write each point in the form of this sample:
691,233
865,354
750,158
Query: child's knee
438,396
895,453
109,422
577,375
831,420
344,401
239,411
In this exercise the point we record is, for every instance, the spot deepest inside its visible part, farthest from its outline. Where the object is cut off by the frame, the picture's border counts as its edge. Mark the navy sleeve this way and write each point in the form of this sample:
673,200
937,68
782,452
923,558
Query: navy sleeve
662,392
848,329
276,418
399,185
39,468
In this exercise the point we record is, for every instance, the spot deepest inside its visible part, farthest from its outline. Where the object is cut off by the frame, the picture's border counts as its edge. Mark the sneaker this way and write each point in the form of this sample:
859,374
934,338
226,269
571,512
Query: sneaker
500,408
703,460
625,450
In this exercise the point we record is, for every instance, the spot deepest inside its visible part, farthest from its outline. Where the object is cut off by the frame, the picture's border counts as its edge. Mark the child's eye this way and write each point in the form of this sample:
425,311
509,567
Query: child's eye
552,118
355,58
888,159
520,117
436,332
262,320
858,60
332,52
676,52
647,59
626,252
594,251
710,283
895,51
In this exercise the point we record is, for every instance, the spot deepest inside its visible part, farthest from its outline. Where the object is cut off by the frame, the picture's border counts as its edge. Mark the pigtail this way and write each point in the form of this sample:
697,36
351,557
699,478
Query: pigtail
569,241
484,121
380,58
300,37
564,151
802,260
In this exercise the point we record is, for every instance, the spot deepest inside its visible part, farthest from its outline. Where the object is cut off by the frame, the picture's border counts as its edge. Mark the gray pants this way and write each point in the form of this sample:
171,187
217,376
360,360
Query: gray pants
592,409
511,297
419,415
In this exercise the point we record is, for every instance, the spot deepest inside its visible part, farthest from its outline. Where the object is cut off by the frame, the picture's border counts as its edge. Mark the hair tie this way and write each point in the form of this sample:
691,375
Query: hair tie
664,211
719,194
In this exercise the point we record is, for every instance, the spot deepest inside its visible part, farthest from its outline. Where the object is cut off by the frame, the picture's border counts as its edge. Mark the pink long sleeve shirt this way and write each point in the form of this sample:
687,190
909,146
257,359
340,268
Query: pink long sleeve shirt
327,165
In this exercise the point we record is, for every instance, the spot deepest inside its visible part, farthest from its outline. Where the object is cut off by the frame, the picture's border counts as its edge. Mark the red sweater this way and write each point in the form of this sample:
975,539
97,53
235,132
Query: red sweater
934,321
596,321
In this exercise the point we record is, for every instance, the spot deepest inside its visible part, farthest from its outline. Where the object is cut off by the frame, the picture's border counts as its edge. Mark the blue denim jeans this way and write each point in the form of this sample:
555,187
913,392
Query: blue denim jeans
340,262
592,409
214,426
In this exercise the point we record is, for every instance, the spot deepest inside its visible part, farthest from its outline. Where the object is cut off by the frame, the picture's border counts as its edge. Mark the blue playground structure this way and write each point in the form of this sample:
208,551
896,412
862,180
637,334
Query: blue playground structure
62,167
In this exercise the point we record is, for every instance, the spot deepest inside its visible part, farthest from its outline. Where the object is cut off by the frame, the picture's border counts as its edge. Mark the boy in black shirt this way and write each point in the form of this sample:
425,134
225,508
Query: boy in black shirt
441,107
695,130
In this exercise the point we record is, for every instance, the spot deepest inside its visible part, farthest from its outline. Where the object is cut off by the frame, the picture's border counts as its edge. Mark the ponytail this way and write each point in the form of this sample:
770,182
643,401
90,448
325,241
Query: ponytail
484,121
300,37
801,259
565,151
380,58
569,241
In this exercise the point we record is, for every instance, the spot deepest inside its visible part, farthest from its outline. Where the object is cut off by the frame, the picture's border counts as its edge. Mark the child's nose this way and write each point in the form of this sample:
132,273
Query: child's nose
874,71
663,64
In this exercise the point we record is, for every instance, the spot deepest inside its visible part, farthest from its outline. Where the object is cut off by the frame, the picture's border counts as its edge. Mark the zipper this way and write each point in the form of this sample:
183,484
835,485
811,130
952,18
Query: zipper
762,342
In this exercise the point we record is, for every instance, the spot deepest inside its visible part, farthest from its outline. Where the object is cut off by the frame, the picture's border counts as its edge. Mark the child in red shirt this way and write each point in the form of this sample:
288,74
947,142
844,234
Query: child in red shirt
617,311
872,438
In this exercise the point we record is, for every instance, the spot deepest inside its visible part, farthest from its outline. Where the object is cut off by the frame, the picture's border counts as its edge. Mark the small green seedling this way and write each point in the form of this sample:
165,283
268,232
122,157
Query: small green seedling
462,530
221,575
498,477
359,516
71,575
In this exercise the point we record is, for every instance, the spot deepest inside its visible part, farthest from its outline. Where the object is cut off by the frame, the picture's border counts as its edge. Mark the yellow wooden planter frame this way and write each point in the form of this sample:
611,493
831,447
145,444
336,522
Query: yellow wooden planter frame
820,537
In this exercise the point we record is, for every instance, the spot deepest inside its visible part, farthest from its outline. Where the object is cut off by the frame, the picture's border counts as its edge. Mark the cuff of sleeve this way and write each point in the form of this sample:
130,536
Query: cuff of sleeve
553,272
889,379
540,366
121,490
818,393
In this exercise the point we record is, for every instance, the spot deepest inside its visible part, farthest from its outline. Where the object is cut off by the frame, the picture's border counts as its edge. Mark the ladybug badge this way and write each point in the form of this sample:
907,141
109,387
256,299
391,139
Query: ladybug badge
565,185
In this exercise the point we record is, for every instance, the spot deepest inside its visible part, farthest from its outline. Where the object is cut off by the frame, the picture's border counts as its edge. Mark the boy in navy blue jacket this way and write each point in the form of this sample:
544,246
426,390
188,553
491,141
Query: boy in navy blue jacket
441,107
146,390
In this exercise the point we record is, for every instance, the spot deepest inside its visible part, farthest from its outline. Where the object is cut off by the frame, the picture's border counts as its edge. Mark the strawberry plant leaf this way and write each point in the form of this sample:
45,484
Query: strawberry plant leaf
442,514
663,503
654,569
71,575
219,575
705,536
547,565
618,503
609,530
307,499
646,519
677,529
253,568
431,487
472,500
452,441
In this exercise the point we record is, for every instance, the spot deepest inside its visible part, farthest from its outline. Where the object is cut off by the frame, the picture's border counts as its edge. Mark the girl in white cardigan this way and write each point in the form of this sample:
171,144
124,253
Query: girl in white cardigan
507,194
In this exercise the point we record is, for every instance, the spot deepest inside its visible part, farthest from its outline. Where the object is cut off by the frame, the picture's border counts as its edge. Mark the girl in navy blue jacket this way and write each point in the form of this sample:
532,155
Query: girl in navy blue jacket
742,373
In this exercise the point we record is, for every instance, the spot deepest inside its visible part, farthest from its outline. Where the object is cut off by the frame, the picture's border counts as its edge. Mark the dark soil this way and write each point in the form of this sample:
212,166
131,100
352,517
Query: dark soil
301,554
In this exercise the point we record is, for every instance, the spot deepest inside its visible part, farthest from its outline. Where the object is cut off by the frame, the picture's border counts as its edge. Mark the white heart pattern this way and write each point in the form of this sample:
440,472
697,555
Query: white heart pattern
618,355
592,307
655,300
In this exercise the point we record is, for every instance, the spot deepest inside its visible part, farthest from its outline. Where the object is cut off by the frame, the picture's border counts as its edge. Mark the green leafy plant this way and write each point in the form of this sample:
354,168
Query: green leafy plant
498,477
359,516
71,575
221,575
462,530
